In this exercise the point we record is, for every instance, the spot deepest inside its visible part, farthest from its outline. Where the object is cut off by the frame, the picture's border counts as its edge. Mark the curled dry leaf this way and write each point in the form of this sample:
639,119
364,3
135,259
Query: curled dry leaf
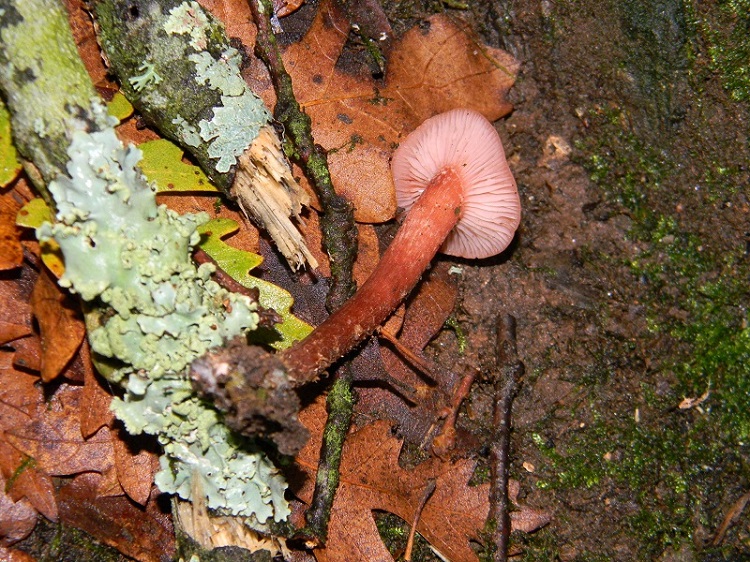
17,518
11,252
96,414
136,465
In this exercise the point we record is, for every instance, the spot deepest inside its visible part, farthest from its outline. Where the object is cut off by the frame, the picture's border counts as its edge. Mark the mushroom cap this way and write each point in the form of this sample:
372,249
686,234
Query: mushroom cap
465,141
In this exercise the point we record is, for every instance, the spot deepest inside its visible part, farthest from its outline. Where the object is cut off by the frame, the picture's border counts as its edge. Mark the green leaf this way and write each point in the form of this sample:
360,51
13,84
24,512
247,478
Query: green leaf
119,107
162,163
9,164
237,263
32,215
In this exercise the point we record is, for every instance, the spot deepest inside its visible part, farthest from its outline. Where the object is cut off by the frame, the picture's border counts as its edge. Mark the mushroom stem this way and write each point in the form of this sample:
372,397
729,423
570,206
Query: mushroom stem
424,230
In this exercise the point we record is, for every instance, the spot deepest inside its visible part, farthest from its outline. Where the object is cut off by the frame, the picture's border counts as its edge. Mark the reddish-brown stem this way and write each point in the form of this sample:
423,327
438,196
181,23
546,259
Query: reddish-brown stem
427,225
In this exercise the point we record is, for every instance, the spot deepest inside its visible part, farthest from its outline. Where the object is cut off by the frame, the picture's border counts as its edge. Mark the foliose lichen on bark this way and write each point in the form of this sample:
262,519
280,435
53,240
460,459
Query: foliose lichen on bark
123,251
201,100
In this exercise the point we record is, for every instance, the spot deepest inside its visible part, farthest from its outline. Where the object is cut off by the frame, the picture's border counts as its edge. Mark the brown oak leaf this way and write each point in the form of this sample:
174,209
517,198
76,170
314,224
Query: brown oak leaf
17,518
359,119
15,312
426,313
371,479
11,251
20,401
53,438
143,533
60,325
97,399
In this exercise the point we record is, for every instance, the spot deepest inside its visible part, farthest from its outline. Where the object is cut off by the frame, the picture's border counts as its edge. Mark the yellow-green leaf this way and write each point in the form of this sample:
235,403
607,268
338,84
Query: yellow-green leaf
162,163
32,215
9,164
120,107
237,264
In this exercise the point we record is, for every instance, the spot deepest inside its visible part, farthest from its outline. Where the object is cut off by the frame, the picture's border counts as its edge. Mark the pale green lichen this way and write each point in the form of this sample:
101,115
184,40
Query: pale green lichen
124,251
148,76
189,18
230,136
187,132
237,121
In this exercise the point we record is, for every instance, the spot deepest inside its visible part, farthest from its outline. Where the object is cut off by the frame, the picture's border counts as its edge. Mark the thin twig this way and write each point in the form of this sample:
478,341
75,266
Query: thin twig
509,373
423,364
340,406
446,439
268,316
733,515
337,222
340,243
426,495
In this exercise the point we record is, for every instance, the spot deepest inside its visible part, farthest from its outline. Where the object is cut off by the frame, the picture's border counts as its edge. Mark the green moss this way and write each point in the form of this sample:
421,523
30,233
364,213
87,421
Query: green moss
729,46
395,532
57,542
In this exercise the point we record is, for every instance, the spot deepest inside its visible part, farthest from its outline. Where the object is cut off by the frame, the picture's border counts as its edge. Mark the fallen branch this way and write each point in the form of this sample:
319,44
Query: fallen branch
340,242
177,67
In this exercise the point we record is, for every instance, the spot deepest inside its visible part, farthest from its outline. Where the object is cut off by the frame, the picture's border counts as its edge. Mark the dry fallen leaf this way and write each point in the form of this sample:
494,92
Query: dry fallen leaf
12,555
15,312
60,325
11,251
371,479
53,437
96,414
20,401
145,534
17,518
359,119
135,465
428,308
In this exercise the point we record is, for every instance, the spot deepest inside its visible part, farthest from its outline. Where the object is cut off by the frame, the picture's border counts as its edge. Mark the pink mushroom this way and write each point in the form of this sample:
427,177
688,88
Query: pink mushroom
452,177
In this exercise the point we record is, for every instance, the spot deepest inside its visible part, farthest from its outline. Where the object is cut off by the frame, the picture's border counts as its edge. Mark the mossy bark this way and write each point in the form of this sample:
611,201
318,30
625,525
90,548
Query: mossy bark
177,67
133,38
43,82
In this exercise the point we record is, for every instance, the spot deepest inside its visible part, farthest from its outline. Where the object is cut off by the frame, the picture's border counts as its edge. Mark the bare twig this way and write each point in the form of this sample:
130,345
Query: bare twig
509,373
337,222
268,316
446,439
426,495
425,366
734,513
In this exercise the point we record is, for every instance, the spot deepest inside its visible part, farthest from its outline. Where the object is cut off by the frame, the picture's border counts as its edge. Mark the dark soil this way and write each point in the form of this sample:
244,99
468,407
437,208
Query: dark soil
628,278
